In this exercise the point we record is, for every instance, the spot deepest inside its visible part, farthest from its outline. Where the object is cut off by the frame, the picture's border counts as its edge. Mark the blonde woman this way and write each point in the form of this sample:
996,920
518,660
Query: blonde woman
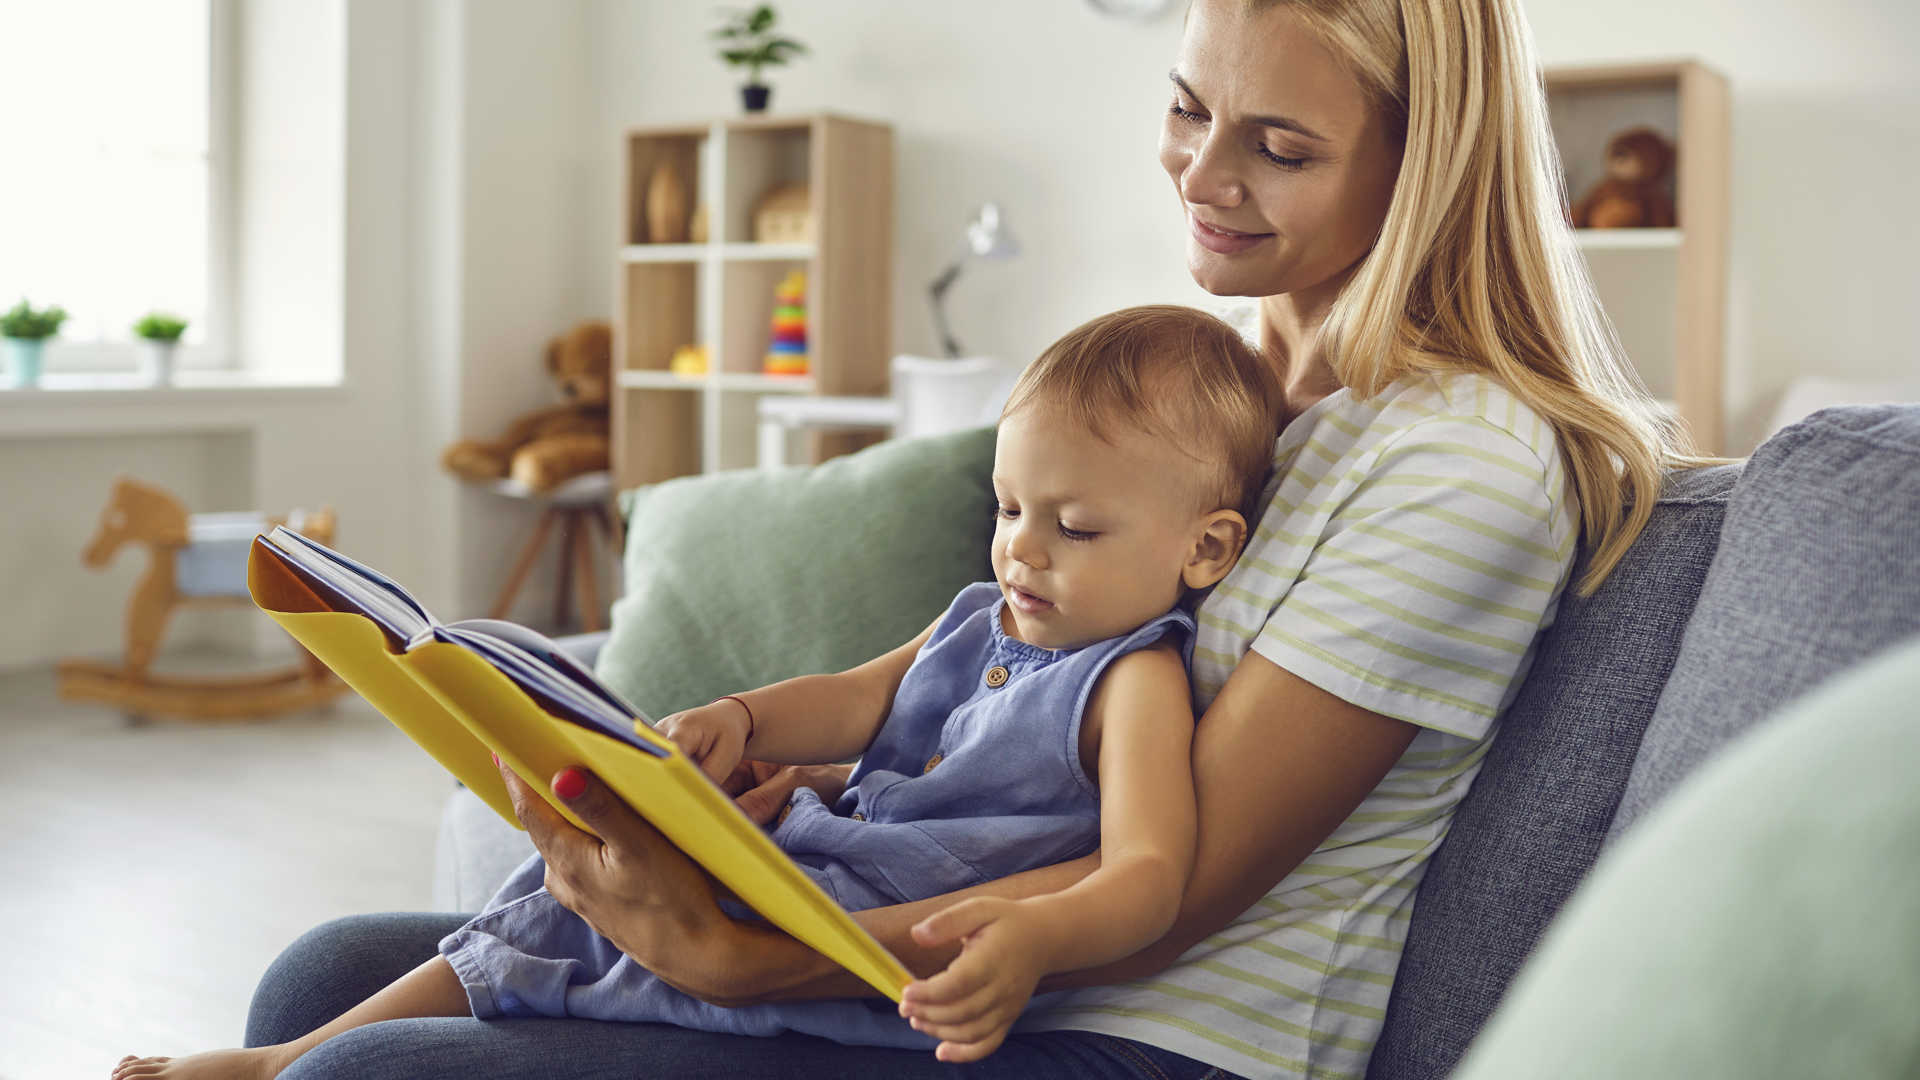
1380,172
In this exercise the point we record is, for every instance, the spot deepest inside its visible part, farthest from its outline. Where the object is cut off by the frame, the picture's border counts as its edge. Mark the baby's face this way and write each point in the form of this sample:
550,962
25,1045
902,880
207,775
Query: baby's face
1091,537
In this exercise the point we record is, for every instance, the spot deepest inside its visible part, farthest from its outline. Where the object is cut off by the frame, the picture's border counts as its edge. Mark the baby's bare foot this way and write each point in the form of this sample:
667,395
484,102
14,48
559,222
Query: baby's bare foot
260,1064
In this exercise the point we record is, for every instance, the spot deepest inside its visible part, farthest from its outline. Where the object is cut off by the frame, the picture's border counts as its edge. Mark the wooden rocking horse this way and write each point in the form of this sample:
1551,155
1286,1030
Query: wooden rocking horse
194,559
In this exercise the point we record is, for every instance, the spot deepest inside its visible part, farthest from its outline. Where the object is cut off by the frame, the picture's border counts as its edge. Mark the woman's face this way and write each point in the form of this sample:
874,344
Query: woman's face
1282,167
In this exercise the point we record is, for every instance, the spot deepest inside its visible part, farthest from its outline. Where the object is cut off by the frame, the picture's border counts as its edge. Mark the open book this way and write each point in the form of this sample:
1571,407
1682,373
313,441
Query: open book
470,689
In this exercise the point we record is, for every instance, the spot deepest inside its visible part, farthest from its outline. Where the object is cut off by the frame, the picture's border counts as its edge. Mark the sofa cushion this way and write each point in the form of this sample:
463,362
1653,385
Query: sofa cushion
1532,824
738,579
1755,925
1819,566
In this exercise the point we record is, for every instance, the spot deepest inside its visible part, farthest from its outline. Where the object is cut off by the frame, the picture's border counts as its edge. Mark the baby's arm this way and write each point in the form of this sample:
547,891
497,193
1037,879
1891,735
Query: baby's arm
807,720
1145,717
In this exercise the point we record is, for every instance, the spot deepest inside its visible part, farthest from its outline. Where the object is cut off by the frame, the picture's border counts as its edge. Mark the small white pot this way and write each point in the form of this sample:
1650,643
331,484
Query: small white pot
938,395
156,361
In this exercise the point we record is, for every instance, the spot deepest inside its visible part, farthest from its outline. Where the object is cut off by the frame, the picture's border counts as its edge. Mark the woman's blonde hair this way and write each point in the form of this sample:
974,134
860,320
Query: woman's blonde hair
1475,268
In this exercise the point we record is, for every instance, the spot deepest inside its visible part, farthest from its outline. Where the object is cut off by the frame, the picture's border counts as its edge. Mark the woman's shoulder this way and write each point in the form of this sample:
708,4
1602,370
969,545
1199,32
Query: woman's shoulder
1422,407
1468,422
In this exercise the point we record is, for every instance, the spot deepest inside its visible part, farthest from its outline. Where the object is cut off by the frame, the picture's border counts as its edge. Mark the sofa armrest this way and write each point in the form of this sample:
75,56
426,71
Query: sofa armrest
584,647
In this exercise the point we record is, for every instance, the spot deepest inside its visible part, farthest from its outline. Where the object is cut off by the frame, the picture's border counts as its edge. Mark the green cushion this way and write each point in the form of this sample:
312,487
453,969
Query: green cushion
739,579
1759,923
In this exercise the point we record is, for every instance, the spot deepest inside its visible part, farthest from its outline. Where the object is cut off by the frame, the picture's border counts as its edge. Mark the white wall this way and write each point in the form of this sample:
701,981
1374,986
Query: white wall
1054,111
289,176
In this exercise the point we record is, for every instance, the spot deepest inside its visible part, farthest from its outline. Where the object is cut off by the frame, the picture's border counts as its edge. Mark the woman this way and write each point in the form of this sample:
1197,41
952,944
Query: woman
1380,172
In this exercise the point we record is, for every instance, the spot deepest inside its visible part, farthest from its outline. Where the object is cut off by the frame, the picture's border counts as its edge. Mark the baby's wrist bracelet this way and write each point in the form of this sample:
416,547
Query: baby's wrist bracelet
744,705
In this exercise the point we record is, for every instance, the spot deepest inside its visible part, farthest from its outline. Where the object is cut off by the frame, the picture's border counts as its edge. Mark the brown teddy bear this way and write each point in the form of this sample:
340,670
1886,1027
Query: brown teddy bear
545,449
1632,196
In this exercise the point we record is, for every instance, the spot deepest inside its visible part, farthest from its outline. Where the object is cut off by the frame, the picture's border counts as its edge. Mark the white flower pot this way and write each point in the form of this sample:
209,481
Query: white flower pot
156,361
938,395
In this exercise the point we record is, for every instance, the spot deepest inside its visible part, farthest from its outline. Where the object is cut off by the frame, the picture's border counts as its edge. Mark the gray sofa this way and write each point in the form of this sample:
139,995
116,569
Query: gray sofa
1751,584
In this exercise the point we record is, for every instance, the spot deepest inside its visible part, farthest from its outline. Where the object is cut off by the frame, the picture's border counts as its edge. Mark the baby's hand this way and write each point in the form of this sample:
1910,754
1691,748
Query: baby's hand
973,1003
714,736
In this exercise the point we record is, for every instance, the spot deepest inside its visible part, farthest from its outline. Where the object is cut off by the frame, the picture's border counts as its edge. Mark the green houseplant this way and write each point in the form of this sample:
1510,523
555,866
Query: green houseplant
26,330
748,41
159,335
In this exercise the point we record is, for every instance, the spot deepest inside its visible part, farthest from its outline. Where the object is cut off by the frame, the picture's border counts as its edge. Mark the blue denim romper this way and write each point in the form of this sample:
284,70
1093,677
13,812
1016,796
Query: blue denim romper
974,776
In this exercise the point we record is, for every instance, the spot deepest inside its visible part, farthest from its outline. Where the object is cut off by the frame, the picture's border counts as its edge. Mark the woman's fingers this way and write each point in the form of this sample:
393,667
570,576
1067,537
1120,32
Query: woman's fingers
539,819
621,830
565,848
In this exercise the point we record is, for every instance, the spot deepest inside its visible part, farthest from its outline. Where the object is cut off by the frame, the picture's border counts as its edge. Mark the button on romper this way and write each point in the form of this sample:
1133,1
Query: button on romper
974,776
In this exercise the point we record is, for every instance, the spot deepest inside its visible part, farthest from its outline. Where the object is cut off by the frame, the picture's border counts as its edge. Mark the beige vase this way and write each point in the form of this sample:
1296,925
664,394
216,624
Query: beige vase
667,208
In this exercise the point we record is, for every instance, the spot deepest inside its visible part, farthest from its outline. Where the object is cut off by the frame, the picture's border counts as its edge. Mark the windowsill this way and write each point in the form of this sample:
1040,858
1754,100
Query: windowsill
109,387
72,403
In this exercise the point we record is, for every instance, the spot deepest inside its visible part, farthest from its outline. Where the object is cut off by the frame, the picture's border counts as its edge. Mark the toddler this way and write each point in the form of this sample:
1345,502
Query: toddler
1041,717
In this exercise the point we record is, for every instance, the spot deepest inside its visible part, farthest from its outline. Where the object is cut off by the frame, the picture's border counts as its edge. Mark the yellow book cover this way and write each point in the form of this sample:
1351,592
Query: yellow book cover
465,691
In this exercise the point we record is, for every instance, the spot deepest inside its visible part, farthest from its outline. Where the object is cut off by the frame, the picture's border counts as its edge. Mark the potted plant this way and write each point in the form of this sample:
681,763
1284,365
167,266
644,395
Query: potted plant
749,42
26,331
159,335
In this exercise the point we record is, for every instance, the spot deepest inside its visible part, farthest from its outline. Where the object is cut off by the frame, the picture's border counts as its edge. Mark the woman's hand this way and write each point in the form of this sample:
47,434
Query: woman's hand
972,1005
629,883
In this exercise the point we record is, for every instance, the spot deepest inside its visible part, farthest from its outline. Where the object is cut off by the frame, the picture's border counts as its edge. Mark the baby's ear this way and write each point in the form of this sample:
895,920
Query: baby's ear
1222,534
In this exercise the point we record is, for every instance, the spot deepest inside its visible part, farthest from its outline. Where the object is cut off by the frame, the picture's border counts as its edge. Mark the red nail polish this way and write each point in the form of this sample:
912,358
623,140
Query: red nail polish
495,757
569,784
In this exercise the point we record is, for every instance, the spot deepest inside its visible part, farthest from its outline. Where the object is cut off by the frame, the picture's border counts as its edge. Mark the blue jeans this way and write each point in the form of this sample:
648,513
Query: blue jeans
339,964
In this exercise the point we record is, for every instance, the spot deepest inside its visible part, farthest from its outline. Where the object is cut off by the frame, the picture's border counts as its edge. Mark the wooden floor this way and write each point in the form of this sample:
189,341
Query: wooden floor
148,874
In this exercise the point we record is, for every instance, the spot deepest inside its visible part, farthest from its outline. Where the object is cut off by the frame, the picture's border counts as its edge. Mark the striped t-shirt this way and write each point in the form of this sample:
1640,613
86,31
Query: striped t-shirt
1413,547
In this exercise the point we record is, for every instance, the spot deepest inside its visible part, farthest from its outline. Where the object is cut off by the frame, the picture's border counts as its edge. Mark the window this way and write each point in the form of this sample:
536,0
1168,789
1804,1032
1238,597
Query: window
114,173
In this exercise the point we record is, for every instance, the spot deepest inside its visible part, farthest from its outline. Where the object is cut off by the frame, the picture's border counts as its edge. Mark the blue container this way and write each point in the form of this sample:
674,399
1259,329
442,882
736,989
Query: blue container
24,357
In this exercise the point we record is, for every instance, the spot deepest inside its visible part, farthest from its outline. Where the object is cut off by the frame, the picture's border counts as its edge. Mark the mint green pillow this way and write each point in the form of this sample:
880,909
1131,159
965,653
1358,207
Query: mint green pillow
739,579
1762,922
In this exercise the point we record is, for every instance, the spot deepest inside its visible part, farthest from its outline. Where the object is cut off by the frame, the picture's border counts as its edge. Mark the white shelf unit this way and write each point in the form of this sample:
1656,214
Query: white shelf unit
1664,290
719,293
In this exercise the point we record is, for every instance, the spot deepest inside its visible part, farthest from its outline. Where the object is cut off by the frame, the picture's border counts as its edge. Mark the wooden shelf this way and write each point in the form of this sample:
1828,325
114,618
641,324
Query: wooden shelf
1627,239
720,292
660,380
1670,313
776,384
668,380
663,253
758,252
689,253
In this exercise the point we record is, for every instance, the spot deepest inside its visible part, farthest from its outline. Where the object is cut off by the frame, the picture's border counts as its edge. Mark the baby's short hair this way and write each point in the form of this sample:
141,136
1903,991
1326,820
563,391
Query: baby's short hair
1175,373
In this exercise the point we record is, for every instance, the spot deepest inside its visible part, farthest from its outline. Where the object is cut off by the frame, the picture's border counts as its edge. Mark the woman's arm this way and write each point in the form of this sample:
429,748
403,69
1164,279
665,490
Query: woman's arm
1278,764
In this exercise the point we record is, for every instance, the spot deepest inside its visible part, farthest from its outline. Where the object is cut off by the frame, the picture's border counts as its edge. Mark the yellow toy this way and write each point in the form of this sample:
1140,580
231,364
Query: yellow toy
689,360
787,355
193,559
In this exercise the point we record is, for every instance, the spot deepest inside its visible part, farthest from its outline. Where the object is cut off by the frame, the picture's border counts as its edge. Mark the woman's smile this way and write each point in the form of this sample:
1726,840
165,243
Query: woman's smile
1222,241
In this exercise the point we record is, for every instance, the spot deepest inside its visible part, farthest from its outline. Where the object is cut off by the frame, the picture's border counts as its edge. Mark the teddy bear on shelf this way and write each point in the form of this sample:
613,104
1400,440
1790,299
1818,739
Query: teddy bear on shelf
1632,195
546,448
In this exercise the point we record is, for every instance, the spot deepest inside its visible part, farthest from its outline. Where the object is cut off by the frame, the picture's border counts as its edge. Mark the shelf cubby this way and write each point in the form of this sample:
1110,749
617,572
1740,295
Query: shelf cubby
1665,290
719,292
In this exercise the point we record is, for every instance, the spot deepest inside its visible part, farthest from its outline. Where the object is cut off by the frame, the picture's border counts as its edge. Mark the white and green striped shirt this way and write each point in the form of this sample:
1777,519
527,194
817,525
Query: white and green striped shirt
1413,548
